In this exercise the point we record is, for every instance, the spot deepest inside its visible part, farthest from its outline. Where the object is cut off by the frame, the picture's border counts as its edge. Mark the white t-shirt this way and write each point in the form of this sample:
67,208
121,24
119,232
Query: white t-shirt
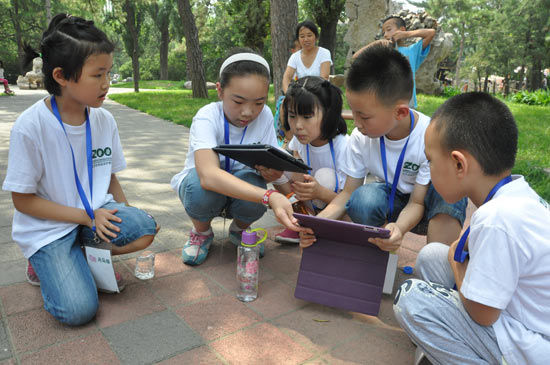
1,73
207,131
320,157
295,61
40,162
364,157
509,269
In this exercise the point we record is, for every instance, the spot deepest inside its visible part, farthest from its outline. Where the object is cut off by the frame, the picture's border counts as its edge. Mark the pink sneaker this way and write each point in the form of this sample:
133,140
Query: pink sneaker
288,236
32,278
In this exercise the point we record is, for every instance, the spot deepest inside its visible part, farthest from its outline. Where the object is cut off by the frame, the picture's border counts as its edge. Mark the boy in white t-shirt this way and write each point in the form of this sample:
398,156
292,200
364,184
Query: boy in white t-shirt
500,307
389,144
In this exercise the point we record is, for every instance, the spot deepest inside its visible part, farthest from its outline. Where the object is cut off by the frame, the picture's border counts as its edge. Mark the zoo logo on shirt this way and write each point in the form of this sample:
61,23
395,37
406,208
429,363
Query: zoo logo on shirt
102,156
410,168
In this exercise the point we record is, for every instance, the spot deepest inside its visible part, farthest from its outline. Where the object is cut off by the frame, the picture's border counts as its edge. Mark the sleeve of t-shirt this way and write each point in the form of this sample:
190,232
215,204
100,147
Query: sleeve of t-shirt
494,266
423,177
418,53
324,55
341,155
293,60
25,164
269,137
354,165
202,134
119,162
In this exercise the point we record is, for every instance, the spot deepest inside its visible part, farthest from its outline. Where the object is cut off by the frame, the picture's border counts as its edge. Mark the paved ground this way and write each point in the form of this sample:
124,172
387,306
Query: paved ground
184,314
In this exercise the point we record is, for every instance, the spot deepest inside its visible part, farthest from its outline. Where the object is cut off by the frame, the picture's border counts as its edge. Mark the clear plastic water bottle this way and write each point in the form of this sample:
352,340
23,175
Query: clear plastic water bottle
248,264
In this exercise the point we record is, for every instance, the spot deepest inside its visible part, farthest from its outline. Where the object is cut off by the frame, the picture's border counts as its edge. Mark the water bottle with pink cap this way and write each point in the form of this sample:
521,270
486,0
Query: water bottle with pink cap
248,264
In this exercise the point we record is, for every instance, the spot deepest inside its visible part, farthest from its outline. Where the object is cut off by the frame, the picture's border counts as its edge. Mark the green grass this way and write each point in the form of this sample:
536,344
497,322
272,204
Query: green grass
154,84
533,122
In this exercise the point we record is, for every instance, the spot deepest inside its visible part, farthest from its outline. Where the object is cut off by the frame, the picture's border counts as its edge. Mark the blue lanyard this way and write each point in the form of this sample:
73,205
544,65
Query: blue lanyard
226,141
333,161
397,169
81,192
460,254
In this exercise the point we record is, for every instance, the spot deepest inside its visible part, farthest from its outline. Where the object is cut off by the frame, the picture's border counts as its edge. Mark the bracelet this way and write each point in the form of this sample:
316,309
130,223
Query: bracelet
267,194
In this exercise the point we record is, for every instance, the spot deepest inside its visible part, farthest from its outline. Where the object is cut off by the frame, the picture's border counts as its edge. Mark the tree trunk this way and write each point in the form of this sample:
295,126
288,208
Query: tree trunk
130,10
486,83
284,18
14,15
327,38
48,7
535,79
164,42
507,85
194,52
460,52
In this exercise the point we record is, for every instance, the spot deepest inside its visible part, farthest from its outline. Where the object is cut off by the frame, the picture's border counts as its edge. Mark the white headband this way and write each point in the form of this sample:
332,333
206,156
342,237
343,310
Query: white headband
244,57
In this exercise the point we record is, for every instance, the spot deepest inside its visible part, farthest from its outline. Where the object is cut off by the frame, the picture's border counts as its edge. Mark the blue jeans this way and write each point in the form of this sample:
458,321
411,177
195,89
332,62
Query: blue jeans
368,205
66,282
203,205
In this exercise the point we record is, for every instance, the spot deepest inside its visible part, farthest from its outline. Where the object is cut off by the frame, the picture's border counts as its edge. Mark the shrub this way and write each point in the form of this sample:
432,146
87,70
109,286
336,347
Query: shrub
537,97
449,91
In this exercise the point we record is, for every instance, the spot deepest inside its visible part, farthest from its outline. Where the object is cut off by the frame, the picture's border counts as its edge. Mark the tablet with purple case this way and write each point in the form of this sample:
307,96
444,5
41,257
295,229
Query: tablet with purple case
342,269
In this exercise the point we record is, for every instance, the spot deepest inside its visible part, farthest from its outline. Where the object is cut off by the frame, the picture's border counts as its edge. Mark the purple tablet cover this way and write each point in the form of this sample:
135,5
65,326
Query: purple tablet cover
341,269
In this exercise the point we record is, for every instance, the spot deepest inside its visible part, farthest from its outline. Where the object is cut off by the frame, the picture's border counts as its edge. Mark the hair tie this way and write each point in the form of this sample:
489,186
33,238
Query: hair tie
244,57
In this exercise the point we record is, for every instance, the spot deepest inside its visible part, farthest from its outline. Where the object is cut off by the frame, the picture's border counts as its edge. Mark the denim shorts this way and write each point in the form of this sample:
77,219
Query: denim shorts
67,285
204,205
368,205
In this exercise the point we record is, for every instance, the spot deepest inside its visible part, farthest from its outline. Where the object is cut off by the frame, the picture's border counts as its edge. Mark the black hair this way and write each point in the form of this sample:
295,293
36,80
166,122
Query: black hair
309,25
1,64
398,21
67,43
242,68
293,43
383,71
483,126
307,94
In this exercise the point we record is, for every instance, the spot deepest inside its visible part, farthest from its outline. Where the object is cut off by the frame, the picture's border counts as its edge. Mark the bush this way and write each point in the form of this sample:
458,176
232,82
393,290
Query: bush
537,97
449,91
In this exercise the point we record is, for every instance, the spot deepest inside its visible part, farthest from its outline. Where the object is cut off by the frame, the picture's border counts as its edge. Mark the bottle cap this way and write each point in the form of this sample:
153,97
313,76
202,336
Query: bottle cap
249,238
408,270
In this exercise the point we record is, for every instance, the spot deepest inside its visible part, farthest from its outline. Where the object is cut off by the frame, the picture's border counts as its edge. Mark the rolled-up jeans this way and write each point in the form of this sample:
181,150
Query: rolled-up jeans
203,205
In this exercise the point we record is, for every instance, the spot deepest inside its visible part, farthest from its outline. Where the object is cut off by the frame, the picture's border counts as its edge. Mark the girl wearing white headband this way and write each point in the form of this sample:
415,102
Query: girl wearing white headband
209,185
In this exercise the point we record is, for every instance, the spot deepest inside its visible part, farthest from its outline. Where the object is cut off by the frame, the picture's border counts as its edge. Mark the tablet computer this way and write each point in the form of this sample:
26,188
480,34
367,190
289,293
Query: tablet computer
339,230
262,154
341,269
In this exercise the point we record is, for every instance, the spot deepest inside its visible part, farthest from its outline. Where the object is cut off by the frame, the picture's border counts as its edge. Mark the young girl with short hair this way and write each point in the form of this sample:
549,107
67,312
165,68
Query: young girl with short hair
64,190
313,113
211,185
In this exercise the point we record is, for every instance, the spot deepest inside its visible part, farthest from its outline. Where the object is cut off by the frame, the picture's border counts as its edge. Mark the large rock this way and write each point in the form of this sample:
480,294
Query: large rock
33,79
189,85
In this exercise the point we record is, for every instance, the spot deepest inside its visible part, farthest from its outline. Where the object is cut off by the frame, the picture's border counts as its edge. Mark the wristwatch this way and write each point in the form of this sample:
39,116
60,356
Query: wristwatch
265,199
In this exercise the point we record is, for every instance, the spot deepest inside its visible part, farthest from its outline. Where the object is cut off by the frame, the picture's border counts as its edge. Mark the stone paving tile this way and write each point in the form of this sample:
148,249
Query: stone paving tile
200,355
184,288
166,263
318,327
13,272
20,298
275,298
376,346
262,344
151,338
5,350
10,252
217,317
133,302
93,349
284,262
37,328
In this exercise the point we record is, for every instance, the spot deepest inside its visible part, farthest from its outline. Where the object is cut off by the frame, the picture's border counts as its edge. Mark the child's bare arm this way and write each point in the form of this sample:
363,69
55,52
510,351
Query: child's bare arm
480,313
116,190
38,207
337,207
408,219
426,34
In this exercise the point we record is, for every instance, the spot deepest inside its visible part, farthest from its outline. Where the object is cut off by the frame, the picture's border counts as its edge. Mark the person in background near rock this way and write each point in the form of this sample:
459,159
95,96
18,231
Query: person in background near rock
394,29
311,60
499,308
7,89
64,153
